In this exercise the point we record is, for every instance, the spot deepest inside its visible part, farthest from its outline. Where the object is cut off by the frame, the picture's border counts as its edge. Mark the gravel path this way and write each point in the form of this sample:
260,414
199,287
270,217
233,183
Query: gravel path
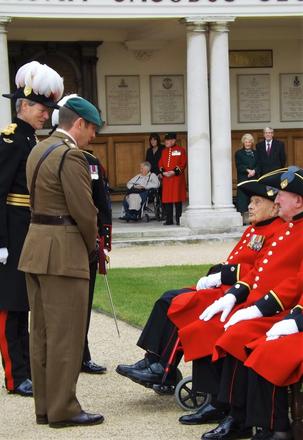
131,411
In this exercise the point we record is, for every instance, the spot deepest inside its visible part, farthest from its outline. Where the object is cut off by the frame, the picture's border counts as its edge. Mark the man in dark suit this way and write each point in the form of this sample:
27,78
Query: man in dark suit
270,152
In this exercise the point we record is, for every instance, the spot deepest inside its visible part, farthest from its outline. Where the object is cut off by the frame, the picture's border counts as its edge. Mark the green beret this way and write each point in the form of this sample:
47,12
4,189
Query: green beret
85,110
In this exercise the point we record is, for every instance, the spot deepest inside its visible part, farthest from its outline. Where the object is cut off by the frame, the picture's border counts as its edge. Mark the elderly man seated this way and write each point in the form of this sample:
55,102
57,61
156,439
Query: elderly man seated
137,191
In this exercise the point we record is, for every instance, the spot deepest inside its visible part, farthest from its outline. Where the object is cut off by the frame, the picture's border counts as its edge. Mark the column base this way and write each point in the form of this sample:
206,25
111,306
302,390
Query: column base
201,220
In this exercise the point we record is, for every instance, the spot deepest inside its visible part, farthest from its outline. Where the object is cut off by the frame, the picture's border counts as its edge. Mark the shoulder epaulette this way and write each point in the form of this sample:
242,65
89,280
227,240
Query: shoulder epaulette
10,129
89,154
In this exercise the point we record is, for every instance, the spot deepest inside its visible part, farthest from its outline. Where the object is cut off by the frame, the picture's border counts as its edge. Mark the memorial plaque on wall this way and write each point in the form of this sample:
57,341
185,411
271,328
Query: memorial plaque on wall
167,99
253,98
123,100
291,97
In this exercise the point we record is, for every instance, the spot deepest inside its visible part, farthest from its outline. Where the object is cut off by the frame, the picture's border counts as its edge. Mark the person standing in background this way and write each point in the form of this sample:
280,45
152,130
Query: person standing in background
247,169
38,89
270,153
153,153
172,165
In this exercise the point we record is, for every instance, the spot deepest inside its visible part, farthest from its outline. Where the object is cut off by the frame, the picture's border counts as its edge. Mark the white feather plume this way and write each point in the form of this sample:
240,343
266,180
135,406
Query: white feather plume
41,78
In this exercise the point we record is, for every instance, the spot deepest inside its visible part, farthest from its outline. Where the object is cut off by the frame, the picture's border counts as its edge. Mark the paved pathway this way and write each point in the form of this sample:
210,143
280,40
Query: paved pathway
131,411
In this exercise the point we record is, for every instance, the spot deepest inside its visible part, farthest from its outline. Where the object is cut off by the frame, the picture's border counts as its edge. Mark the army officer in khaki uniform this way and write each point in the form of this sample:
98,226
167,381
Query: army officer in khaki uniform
55,257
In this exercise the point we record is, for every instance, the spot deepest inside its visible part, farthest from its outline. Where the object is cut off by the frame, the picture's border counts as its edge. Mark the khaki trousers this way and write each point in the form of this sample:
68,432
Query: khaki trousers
58,307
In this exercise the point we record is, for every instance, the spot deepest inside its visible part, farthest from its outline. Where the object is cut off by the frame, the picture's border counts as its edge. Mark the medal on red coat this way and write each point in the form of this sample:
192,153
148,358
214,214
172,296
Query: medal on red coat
256,242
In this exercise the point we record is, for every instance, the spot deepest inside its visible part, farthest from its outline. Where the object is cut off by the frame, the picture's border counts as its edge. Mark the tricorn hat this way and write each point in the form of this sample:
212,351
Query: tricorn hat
171,135
254,188
286,179
38,83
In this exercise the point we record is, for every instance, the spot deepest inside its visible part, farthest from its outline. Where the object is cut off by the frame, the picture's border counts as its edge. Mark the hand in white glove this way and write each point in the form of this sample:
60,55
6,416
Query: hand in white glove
3,255
213,280
285,327
224,305
243,315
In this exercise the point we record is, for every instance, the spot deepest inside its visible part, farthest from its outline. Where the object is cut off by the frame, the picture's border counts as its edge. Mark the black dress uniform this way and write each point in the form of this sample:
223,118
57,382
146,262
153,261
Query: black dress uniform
16,142
102,202
245,159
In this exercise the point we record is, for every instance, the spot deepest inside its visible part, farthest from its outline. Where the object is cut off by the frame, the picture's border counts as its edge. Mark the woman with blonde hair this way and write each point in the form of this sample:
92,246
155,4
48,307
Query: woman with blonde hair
247,168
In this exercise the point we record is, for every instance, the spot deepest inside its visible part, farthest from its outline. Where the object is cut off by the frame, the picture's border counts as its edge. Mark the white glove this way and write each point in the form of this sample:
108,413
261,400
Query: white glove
213,280
285,327
224,305
3,255
243,315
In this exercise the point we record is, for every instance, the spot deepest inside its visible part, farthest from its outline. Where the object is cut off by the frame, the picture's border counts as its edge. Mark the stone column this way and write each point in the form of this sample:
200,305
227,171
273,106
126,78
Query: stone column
199,180
221,153
5,107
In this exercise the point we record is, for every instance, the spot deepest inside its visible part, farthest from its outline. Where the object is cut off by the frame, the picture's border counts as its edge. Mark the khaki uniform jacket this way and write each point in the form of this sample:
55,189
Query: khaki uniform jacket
59,249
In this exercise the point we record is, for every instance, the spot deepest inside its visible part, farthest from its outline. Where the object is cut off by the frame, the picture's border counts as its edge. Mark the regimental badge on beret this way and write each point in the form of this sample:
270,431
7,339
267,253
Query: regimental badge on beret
10,129
284,183
256,242
27,91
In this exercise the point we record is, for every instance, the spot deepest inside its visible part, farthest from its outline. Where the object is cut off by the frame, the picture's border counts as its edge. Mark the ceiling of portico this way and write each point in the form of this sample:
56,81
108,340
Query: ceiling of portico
121,30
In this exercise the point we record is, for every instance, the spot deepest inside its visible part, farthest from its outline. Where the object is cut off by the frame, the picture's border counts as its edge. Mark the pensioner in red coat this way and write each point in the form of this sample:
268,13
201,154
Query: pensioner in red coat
174,187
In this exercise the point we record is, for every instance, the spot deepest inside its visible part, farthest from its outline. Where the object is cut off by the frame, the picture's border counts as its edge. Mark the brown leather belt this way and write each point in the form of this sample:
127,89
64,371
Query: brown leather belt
43,219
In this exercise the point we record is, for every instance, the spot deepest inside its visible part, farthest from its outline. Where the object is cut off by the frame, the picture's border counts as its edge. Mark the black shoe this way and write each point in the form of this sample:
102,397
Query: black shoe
41,420
147,376
167,223
92,368
266,434
24,389
228,429
178,222
124,369
82,419
206,414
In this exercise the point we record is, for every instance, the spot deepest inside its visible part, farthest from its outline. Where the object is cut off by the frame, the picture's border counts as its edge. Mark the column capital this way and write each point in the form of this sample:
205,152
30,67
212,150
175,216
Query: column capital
4,21
195,24
219,26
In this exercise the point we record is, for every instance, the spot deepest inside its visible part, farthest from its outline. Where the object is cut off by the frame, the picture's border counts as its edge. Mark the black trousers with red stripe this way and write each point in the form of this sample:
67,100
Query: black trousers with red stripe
159,335
254,401
14,347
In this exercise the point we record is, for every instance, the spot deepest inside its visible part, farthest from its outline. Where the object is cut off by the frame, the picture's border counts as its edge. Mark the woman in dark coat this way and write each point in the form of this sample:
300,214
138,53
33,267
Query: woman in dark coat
247,168
153,152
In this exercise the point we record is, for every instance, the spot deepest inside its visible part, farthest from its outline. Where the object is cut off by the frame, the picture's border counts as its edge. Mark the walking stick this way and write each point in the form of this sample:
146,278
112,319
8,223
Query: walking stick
103,260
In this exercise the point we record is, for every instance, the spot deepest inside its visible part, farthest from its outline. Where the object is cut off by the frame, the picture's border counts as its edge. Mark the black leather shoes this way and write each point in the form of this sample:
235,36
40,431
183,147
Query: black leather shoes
206,414
124,369
266,434
228,429
82,419
24,389
147,376
92,368
167,223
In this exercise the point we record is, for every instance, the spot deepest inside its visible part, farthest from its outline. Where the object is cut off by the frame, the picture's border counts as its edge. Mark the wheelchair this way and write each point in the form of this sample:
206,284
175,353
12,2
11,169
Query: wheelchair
150,209
185,396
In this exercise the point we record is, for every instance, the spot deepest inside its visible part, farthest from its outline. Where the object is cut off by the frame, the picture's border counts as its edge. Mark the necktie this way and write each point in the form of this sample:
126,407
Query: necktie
268,148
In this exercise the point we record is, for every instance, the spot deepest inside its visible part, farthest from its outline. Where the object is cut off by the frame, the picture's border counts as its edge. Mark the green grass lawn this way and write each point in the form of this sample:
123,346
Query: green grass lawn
134,291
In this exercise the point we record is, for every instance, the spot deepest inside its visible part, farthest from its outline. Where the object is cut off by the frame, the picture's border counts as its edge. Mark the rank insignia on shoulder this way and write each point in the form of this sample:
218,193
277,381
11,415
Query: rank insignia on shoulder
7,140
256,242
94,174
10,129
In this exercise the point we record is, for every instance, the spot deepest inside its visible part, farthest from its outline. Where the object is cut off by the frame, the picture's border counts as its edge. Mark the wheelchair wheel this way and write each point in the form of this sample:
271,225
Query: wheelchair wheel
168,389
186,398
145,218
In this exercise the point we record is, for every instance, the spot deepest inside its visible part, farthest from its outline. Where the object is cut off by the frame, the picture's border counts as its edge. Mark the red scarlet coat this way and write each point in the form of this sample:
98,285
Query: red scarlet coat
174,188
280,361
273,279
187,307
